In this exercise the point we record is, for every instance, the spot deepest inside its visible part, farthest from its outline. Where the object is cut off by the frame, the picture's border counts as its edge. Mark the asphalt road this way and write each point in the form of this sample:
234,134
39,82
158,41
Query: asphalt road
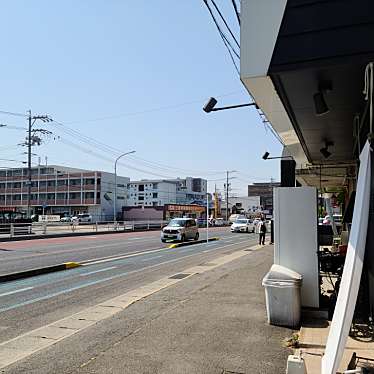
30,254
118,263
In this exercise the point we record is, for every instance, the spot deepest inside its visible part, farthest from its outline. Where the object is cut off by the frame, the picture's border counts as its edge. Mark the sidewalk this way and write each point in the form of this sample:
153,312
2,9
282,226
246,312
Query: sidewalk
213,322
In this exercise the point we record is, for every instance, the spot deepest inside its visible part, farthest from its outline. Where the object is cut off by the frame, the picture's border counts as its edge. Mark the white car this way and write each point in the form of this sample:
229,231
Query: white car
243,225
180,229
82,217
65,219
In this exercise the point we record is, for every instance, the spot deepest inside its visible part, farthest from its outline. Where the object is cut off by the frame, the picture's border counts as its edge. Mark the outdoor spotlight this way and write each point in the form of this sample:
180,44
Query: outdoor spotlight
324,150
266,155
320,104
208,107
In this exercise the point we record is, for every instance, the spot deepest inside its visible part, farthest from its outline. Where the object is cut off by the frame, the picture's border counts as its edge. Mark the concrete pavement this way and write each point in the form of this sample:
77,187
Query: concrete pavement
213,322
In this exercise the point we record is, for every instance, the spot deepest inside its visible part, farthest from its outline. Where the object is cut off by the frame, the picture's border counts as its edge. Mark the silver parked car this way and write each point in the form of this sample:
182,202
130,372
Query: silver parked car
180,229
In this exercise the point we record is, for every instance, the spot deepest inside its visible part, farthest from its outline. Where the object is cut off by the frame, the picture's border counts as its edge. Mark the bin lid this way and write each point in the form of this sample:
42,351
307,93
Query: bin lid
280,273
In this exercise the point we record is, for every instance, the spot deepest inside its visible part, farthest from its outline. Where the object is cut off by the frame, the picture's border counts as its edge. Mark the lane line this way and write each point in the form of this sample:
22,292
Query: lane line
16,291
97,271
152,258
71,289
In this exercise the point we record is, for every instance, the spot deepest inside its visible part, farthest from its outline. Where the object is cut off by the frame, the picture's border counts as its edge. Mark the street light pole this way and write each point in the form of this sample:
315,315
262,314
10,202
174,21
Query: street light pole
115,184
29,166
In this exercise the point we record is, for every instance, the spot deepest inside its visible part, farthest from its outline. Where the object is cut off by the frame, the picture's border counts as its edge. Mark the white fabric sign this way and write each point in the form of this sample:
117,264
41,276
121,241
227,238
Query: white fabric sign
350,283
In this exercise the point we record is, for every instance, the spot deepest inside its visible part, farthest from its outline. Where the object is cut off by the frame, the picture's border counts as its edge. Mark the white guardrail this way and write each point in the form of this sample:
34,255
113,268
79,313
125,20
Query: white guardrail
9,230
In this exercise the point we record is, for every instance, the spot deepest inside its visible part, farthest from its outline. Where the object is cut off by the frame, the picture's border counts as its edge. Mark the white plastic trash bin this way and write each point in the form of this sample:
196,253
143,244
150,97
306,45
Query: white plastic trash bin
282,292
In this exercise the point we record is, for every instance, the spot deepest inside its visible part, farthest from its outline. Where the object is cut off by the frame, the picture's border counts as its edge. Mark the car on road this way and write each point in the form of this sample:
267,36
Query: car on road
216,222
65,219
82,217
180,229
243,225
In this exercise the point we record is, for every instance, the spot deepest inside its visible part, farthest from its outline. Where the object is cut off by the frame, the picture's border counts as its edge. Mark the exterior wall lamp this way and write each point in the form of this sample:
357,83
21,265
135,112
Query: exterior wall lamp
267,154
210,106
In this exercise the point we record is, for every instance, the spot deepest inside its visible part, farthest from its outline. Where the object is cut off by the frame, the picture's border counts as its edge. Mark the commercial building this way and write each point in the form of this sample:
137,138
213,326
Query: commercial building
241,205
308,65
62,191
265,192
167,191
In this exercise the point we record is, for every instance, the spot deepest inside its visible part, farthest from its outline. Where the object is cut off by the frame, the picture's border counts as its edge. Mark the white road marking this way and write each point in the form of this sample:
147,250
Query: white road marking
16,291
98,271
151,258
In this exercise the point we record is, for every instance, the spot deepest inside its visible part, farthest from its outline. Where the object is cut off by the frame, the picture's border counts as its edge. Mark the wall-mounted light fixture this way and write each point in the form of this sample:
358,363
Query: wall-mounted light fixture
325,151
210,106
267,154
320,105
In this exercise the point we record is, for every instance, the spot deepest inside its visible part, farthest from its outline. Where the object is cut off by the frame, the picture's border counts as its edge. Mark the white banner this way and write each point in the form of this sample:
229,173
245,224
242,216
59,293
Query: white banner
351,277
49,218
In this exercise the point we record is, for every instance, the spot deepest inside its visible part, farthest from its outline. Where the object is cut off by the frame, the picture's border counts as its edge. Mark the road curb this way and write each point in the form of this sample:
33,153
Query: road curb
185,244
39,271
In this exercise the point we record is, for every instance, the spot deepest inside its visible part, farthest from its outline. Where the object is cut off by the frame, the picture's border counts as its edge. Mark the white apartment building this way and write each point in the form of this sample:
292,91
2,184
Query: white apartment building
62,191
166,191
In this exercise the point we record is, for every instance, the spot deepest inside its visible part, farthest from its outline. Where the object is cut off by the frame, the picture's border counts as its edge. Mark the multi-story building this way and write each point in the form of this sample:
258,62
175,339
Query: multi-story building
167,191
265,192
63,190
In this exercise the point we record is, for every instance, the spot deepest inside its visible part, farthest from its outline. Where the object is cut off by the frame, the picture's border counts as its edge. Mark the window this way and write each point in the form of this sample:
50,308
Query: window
120,197
75,182
2,185
17,185
98,182
51,183
154,203
98,195
74,195
141,187
155,195
89,181
42,183
89,195
62,182
141,198
61,196
17,197
50,196
155,185
120,185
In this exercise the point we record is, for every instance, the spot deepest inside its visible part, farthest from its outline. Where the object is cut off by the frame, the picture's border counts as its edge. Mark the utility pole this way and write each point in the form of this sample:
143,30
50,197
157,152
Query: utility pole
31,140
227,191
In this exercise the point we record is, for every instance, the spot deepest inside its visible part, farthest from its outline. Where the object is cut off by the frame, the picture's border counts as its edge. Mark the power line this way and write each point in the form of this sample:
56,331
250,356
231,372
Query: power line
13,113
236,10
224,38
151,110
224,21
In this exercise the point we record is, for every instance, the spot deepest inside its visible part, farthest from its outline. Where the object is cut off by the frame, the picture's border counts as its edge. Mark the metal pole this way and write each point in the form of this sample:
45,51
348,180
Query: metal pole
207,214
115,184
227,196
29,168
115,192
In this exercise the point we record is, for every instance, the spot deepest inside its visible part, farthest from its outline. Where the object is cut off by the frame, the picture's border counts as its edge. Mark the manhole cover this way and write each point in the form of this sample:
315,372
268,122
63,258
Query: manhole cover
179,276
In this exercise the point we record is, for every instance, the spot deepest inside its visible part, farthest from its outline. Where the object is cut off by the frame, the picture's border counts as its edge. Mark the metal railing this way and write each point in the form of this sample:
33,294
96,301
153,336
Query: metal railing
10,230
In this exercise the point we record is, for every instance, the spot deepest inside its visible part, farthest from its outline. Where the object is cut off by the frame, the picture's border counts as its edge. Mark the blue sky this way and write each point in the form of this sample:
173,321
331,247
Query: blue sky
132,75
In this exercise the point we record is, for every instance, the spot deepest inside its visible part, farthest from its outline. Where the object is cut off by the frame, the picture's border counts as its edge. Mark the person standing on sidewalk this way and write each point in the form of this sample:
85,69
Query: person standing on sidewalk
261,228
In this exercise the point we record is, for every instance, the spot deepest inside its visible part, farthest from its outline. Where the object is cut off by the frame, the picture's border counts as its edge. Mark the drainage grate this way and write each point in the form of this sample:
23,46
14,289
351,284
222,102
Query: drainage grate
179,276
